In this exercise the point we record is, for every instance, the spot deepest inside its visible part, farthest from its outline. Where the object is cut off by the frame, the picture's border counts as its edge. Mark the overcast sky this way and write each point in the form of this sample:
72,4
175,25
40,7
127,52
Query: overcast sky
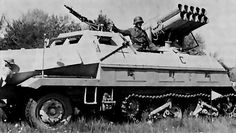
219,34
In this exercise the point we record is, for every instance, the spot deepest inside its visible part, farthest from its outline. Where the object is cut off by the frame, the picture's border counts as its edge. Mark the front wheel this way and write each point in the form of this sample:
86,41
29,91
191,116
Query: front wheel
49,112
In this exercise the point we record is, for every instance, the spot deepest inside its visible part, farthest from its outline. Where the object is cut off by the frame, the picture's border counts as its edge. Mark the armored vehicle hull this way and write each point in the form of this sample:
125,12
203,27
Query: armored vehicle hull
95,71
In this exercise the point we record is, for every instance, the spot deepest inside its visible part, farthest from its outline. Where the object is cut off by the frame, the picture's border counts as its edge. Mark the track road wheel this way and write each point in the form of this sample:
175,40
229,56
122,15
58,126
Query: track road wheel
50,112
230,110
131,109
173,112
232,113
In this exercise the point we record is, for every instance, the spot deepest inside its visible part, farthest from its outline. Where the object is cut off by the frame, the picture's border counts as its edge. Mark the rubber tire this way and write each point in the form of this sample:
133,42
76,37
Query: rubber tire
32,107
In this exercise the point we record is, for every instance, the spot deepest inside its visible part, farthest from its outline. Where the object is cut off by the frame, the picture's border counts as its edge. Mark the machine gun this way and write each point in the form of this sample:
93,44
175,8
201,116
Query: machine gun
92,25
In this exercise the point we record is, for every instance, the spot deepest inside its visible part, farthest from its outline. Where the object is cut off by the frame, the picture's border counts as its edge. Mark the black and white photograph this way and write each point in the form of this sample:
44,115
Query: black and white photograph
117,66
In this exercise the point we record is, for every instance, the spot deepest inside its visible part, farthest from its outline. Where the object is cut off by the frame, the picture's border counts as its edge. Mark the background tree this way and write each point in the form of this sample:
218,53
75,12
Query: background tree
3,23
28,31
103,21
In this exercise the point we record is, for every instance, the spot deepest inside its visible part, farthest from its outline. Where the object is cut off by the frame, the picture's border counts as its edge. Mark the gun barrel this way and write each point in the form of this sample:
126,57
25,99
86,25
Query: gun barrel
69,8
82,18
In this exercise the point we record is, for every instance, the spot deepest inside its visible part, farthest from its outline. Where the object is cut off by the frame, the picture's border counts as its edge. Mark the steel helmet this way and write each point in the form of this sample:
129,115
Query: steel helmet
138,19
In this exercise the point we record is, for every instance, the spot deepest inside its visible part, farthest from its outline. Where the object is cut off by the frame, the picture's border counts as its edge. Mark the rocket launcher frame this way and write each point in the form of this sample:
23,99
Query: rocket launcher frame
182,20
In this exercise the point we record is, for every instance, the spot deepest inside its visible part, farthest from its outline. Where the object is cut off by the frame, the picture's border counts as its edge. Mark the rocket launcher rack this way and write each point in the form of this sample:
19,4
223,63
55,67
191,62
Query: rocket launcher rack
182,20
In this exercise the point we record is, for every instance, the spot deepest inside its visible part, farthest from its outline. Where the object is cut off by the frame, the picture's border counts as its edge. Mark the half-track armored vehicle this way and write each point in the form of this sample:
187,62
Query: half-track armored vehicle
100,72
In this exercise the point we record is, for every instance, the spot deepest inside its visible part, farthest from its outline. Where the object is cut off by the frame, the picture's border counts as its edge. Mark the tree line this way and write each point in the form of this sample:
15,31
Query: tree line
28,31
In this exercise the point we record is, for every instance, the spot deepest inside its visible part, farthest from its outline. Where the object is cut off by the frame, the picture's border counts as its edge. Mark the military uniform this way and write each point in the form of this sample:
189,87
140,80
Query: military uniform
7,69
137,35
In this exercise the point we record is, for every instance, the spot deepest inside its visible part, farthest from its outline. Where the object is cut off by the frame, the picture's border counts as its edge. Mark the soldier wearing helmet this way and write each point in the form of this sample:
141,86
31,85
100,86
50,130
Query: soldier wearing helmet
7,69
137,35
137,20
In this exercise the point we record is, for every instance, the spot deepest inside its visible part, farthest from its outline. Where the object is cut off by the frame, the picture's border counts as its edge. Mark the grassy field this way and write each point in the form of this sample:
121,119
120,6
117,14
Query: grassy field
186,125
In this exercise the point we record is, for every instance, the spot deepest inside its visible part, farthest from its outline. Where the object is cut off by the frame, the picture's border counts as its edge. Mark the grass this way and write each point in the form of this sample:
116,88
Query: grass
185,125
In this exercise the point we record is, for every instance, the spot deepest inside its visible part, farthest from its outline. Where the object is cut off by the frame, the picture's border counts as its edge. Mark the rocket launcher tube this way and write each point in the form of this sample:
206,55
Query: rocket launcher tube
174,22
185,8
193,17
197,11
180,22
191,9
177,20
203,11
163,18
184,11
173,19
180,6
170,15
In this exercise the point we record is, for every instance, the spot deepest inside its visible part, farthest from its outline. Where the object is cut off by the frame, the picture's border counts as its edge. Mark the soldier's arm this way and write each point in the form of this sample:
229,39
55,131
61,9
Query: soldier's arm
123,32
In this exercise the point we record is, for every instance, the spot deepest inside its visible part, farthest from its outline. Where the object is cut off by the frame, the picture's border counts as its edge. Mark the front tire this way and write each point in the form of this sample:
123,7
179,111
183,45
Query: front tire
49,112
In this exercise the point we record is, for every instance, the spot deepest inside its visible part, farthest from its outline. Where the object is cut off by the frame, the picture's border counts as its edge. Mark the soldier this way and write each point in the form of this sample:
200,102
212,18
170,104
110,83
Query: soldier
7,69
137,35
